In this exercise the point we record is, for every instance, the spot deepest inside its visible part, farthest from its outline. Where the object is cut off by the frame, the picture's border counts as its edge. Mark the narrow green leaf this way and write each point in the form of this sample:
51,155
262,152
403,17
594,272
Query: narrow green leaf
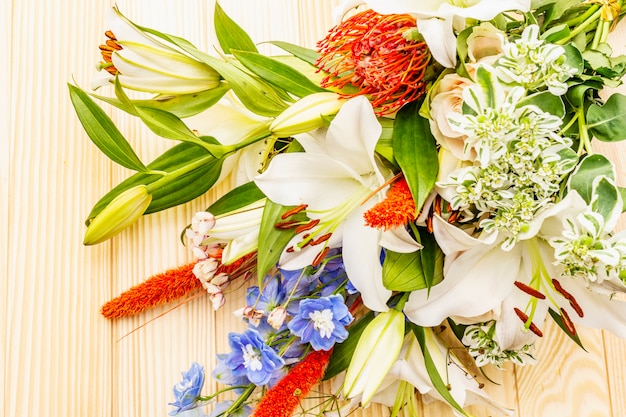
431,369
253,93
559,321
202,171
415,151
102,131
308,55
608,122
342,352
183,105
588,169
229,34
165,124
275,72
236,198
272,241
432,259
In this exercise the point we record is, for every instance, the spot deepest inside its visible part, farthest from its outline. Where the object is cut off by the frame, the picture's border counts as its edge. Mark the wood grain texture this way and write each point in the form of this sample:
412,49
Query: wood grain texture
60,357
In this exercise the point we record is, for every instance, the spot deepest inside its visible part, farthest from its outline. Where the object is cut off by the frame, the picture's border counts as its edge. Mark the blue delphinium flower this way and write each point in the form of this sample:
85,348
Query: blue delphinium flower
321,321
252,358
224,374
187,391
272,295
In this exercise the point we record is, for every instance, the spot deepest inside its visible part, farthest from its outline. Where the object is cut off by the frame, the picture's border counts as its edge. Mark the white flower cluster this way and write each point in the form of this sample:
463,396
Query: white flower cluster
521,158
533,63
482,345
586,250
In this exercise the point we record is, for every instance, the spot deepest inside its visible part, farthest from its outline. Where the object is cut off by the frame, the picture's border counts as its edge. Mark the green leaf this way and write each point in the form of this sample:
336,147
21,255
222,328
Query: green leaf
606,199
191,171
432,258
342,352
588,169
545,101
102,131
622,191
183,105
229,34
305,54
272,241
253,93
415,151
276,73
403,271
608,123
559,321
431,369
236,198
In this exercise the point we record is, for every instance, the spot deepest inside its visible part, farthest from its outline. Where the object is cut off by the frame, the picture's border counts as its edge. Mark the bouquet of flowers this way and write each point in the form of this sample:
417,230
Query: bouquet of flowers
409,202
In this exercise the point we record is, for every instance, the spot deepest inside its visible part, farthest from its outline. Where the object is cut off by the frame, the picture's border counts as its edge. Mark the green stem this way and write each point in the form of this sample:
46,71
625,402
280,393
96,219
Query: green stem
178,173
240,400
582,28
223,390
585,140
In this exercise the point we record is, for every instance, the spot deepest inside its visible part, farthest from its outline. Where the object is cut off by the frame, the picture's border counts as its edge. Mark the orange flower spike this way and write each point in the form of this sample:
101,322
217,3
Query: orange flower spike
282,399
373,53
397,209
158,289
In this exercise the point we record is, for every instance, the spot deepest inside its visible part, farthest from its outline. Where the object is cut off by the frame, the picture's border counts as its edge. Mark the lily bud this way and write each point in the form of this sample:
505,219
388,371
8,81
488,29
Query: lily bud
306,114
376,352
145,63
120,213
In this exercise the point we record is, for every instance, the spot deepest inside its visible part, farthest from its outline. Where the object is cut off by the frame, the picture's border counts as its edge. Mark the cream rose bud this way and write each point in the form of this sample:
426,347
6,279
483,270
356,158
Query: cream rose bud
449,100
485,41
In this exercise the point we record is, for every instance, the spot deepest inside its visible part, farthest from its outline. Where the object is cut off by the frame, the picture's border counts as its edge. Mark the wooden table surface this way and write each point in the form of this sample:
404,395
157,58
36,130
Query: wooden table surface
61,358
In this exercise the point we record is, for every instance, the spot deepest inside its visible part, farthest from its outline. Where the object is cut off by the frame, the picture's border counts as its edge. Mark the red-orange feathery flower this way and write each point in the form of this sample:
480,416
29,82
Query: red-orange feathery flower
376,54
397,209
282,399
158,289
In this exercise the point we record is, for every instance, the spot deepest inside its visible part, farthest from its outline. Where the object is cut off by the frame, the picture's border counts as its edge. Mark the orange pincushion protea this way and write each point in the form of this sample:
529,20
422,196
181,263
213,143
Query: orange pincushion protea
376,54
395,210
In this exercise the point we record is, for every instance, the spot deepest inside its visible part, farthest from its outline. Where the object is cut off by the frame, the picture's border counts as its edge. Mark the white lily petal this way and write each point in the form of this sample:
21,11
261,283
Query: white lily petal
360,122
361,257
476,282
303,178
599,311
399,240
452,239
440,39
240,246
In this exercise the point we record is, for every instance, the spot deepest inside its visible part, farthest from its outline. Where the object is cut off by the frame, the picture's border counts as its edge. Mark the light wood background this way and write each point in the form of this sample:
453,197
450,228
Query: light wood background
59,356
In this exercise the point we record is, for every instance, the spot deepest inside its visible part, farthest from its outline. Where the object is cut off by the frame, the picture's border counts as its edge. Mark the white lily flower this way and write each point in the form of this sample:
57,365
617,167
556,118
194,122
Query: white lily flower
146,64
238,230
338,179
480,277
438,20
